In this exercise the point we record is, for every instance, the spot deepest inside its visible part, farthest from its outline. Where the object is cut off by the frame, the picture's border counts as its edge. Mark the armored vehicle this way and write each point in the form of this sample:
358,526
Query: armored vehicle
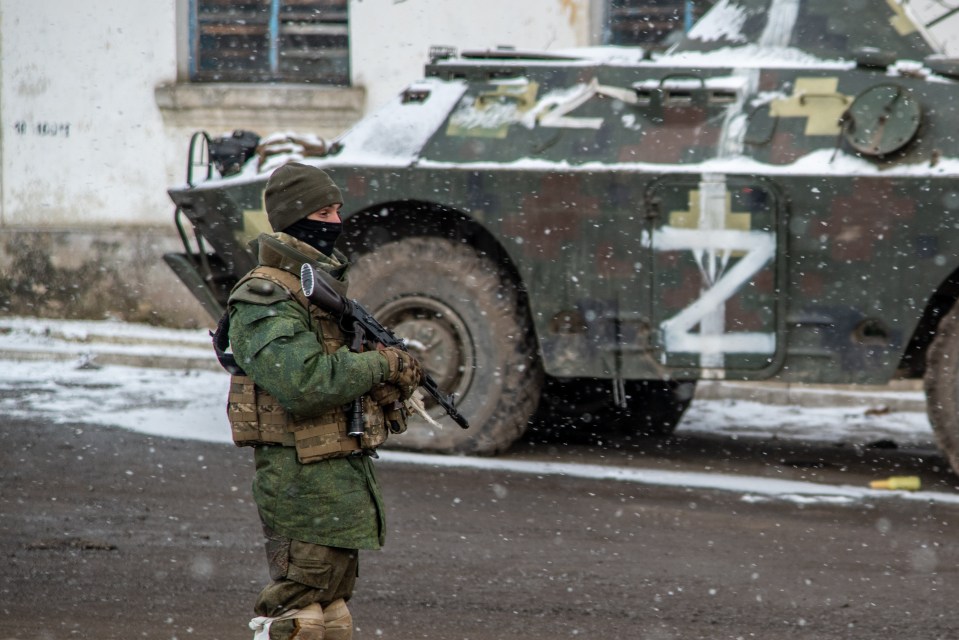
586,234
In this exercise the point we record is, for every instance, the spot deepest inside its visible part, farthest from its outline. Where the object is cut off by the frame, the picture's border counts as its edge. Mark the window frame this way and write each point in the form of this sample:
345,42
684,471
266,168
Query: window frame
279,35
654,14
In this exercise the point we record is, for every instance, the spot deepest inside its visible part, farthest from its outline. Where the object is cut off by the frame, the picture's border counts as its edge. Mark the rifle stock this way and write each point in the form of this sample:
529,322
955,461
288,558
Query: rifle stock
351,312
320,293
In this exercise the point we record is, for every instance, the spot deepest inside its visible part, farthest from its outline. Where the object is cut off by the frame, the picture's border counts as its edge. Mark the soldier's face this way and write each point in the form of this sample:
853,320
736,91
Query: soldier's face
326,214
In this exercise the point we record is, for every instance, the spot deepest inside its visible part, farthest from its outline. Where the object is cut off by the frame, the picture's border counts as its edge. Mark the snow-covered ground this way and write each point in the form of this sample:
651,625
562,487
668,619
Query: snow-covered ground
186,399
190,403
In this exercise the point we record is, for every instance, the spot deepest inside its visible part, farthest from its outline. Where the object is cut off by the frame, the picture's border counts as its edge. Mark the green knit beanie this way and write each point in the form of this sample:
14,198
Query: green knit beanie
296,190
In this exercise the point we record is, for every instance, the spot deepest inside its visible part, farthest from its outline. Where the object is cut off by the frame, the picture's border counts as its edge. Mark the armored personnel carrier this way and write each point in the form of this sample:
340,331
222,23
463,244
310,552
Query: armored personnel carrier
586,234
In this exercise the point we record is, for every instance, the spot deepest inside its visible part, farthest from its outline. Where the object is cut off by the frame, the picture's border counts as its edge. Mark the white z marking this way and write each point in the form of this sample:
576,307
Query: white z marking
759,248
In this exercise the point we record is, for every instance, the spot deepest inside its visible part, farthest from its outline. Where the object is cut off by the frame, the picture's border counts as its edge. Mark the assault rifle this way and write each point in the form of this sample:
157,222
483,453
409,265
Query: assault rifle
350,312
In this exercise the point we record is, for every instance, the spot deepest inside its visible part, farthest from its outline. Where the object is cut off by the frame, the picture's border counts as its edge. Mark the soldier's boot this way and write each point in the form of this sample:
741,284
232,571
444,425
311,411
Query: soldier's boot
308,624
339,621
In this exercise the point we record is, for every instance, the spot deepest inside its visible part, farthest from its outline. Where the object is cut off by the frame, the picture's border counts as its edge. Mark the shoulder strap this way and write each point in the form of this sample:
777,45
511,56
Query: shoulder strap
284,279
221,342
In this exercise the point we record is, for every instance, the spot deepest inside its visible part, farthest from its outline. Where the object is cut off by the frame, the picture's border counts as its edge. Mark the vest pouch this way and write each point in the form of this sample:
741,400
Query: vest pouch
323,437
375,430
255,416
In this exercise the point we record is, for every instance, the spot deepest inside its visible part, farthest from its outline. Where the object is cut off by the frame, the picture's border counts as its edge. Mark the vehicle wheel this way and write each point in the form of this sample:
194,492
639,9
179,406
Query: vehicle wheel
941,384
586,406
462,319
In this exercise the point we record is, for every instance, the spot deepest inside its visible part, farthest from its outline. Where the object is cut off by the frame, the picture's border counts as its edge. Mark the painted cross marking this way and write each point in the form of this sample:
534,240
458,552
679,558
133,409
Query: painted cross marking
817,100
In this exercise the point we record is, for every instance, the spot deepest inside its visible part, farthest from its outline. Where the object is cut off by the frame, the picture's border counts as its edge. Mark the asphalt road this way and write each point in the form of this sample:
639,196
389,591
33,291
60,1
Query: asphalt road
109,534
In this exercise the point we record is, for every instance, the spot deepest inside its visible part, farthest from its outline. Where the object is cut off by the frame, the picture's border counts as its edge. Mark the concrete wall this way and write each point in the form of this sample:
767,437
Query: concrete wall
84,273
97,113
85,160
81,126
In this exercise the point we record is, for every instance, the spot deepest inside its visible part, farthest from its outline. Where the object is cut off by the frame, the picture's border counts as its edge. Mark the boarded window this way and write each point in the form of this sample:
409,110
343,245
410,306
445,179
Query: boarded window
270,41
653,24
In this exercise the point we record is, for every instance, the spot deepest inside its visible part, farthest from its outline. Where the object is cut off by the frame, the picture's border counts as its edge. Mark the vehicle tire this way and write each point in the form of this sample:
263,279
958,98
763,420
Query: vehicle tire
941,382
463,320
585,406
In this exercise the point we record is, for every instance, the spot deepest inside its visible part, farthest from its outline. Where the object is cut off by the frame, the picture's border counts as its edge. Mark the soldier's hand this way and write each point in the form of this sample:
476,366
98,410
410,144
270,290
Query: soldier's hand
395,418
390,398
386,394
405,371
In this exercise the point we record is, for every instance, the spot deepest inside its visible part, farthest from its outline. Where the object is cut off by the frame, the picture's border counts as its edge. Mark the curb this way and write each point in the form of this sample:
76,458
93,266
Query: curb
898,395
105,343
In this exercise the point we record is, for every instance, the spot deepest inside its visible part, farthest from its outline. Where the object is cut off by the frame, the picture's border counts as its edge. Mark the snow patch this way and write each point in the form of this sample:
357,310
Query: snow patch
723,22
394,135
754,488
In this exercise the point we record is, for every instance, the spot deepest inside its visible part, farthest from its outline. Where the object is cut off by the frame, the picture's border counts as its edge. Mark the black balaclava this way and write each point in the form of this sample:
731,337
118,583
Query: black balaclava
319,235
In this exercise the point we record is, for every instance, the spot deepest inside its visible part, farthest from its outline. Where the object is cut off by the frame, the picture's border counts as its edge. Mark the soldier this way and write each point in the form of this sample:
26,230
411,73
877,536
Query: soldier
314,486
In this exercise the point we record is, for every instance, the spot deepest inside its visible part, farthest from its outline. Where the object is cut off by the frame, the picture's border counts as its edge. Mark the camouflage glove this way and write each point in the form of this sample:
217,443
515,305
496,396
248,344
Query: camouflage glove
386,394
395,417
390,399
405,371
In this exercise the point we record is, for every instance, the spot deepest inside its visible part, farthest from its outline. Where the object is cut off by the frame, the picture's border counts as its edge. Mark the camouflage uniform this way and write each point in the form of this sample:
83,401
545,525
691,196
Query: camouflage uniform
316,516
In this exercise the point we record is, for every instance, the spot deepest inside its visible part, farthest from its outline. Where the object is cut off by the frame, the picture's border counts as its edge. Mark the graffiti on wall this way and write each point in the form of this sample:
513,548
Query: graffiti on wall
44,128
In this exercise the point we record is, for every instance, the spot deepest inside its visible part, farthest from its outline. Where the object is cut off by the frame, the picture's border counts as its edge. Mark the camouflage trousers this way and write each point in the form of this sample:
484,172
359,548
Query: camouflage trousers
304,573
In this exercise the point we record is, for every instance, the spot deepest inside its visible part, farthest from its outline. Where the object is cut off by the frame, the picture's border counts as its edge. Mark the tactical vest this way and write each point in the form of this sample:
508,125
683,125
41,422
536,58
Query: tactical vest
256,417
